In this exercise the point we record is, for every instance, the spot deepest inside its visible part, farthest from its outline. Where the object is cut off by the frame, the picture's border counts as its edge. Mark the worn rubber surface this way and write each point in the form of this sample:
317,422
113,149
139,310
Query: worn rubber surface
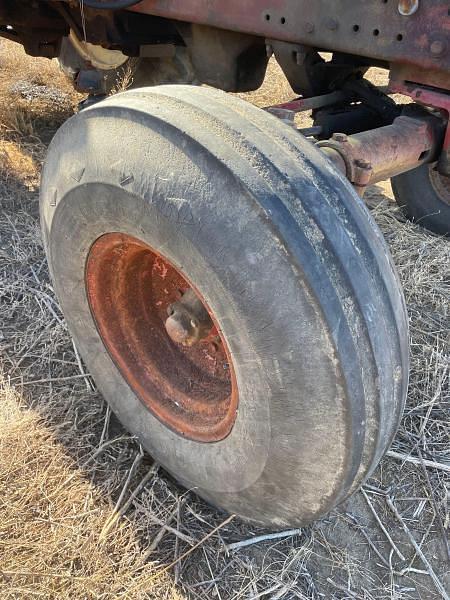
287,258
415,193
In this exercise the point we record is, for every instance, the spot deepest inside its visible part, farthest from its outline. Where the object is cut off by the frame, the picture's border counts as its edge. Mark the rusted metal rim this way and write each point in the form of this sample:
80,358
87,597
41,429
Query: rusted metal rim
441,184
130,288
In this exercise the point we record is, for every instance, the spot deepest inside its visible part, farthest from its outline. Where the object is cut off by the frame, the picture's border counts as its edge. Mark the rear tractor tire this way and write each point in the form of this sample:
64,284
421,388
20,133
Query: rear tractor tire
424,196
230,294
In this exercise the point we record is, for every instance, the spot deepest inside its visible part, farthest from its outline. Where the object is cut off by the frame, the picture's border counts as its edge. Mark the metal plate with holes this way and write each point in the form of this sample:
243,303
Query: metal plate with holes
374,28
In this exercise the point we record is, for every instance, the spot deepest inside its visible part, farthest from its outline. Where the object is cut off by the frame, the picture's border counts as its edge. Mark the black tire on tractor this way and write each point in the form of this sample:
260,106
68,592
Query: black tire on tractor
424,196
291,401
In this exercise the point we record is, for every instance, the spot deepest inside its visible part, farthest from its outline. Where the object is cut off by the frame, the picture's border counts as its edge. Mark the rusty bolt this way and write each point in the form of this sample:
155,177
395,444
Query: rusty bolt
437,47
178,332
408,7
339,137
362,172
188,321
362,164
309,27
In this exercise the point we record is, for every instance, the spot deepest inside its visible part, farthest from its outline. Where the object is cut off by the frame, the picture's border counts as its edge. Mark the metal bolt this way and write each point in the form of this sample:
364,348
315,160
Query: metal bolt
178,331
339,137
408,7
269,50
188,321
361,174
363,164
309,27
437,47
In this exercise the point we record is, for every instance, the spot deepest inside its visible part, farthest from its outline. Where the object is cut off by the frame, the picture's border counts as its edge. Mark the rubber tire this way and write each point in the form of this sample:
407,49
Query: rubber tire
420,201
290,262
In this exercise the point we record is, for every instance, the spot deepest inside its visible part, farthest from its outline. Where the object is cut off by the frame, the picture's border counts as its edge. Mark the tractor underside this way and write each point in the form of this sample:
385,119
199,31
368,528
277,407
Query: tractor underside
228,46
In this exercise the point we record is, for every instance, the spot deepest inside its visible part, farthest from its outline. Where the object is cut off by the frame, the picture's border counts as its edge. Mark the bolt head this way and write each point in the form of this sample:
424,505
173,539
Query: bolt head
309,27
363,164
177,330
437,47
339,137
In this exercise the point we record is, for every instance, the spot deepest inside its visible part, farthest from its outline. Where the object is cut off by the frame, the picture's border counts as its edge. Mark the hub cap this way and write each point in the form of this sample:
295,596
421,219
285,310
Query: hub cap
131,289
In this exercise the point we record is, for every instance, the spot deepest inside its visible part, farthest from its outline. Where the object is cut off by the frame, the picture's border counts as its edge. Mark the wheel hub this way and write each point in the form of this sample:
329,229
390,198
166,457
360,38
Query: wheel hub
162,336
188,321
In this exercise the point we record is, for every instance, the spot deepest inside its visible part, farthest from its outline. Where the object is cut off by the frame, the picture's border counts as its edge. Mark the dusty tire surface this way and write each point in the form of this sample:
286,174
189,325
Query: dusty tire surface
288,259
424,196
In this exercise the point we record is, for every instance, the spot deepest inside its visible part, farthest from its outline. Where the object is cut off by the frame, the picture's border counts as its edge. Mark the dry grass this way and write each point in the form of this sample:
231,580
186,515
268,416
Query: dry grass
66,466
50,527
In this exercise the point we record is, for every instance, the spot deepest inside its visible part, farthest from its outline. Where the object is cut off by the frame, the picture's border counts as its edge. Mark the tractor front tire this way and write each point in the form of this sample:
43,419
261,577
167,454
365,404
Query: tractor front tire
290,401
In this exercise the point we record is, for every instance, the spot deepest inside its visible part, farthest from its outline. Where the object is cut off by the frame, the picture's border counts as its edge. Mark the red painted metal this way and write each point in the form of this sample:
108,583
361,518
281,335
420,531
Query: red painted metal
422,95
312,103
374,29
378,154
192,390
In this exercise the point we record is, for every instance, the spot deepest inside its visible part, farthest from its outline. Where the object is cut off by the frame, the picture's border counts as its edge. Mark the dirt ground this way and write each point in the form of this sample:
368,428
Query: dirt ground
85,514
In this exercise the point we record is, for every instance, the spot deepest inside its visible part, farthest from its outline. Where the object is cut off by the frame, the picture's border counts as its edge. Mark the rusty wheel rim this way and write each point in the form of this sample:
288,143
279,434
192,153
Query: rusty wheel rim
441,185
130,287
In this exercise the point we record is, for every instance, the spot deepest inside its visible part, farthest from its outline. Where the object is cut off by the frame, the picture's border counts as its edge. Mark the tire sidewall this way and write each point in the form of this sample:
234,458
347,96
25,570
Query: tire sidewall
162,187
416,195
